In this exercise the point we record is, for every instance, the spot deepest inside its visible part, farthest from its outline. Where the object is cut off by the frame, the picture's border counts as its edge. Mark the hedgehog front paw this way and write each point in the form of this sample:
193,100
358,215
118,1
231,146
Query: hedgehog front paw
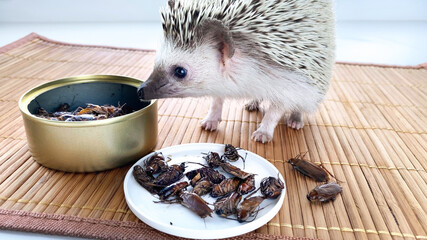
295,121
252,105
261,136
210,124
297,125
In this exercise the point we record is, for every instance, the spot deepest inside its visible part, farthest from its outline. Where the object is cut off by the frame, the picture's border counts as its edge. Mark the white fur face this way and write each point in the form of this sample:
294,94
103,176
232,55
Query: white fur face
208,73
198,70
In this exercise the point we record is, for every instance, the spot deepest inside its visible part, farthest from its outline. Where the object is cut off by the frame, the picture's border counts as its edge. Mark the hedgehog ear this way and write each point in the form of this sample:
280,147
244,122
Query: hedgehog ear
216,30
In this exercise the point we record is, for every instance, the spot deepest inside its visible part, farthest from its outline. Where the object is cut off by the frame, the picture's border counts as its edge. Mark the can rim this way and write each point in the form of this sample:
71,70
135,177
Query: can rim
31,94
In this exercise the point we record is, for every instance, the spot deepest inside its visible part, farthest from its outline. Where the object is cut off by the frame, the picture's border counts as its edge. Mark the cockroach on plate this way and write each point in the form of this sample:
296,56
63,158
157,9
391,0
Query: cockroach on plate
248,208
235,171
231,153
144,179
172,190
213,159
195,179
325,192
227,206
171,175
206,172
226,187
247,186
195,203
309,169
271,187
155,163
202,187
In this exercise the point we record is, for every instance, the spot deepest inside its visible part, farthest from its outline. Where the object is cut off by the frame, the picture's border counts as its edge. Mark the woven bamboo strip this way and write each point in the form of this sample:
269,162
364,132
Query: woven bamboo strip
392,207
378,146
35,178
329,219
174,124
359,187
291,183
396,95
103,194
404,187
165,124
377,196
185,125
190,124
343,174
5,145
37,190
15,135
410,178
415,94
12,159
52,191
309,124
305,186
16,179
86,193
74,194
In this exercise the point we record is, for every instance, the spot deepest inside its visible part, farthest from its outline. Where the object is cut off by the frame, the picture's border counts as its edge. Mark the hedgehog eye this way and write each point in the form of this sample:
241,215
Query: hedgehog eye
180,72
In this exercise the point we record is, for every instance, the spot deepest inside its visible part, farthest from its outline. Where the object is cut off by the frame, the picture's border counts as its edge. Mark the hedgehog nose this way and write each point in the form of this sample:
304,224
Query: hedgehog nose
141,92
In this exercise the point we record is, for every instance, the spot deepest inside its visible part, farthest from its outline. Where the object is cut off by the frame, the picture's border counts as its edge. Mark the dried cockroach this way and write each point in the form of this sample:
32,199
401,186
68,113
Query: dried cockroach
309,169
41,112
247,208
78,118
90,113
227,186
227,206
325,192
144,179
202,187
271,187
155,164
171,175
65,107
195,203
235,171
206,172
247,186
172,190
195,179
231,154
213,159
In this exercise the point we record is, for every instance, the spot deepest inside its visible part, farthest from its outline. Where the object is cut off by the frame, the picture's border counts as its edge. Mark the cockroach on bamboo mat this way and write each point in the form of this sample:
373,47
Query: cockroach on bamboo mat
325,192
309,169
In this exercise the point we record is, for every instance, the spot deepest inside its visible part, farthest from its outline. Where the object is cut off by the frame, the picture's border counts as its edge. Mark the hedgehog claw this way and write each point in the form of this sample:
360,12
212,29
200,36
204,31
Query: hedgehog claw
262,137
252,105
210,125
295,121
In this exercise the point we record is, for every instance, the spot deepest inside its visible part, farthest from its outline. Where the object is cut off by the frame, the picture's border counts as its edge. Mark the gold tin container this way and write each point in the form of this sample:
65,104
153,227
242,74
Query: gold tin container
92,145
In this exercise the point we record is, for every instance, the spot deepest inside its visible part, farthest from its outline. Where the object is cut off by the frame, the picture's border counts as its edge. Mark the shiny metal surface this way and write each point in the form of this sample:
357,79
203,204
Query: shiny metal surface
92,145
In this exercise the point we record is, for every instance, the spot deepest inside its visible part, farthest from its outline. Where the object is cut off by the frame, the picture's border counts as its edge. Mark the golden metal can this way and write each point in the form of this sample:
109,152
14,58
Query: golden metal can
89,146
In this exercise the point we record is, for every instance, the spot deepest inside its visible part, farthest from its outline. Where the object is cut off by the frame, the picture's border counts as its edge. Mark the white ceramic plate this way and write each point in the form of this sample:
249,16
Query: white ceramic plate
177,220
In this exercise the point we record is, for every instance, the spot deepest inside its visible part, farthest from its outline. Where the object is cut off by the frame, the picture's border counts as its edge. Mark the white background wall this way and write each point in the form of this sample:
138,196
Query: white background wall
18,11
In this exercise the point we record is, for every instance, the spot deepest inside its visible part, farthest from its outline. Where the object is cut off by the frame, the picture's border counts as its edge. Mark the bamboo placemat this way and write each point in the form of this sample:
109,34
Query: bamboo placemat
370,133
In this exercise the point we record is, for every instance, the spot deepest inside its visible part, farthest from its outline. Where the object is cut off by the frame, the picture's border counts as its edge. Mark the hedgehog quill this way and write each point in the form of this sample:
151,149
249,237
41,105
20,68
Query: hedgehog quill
277,52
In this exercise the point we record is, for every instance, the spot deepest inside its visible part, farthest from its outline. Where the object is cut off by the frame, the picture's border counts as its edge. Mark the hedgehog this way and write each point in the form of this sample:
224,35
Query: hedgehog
276,52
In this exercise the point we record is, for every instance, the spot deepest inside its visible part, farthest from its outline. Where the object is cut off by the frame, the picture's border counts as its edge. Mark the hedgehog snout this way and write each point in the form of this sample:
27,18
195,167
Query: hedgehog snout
141,91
